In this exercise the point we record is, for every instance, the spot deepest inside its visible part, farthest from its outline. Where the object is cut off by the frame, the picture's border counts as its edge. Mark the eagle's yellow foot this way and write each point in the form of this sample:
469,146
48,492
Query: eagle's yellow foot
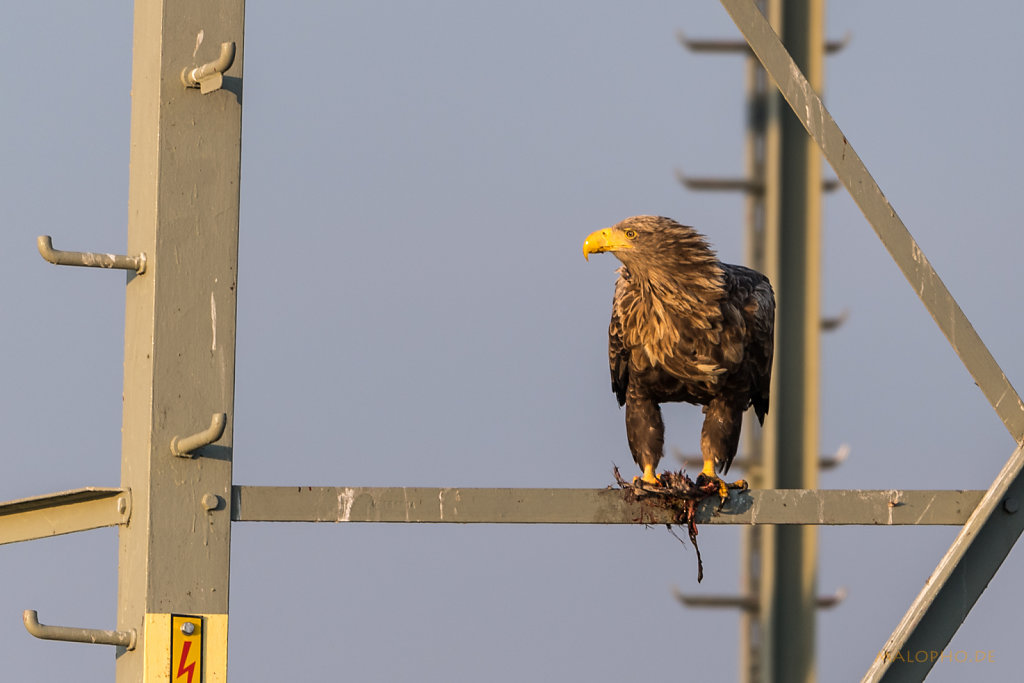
709,480
649,476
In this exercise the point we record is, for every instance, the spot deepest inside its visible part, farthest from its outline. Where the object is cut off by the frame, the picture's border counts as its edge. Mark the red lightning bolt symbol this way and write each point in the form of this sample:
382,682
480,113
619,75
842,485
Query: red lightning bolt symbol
182,669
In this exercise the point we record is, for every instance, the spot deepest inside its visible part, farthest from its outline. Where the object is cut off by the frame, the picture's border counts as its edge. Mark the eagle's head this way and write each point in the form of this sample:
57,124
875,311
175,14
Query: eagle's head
643,243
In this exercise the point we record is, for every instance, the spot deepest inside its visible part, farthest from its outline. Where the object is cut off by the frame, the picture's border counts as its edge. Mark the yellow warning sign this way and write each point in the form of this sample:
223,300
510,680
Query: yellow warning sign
186,649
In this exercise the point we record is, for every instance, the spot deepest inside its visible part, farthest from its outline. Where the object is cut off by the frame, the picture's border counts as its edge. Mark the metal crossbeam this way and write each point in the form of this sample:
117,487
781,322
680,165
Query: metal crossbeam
65,512
592,506
993,528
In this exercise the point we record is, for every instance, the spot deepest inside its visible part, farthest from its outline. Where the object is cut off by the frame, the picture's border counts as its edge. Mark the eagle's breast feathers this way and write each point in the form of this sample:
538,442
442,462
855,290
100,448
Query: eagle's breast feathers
693,332
678,334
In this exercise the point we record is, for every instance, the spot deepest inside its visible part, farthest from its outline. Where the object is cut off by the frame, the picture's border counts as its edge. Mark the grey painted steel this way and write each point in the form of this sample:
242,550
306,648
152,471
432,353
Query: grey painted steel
179,353
757,543
789,554
591,506
88,259
958,581
789,559
184,446
65,512
95,636
880,214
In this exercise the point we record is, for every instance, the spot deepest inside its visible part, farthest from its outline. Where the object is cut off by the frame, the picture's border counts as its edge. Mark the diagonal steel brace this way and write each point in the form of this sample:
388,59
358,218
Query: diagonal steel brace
868,196
957,582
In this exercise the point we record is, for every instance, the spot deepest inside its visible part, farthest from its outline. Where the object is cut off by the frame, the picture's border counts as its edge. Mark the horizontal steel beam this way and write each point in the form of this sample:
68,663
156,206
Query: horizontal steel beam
591,506
63,513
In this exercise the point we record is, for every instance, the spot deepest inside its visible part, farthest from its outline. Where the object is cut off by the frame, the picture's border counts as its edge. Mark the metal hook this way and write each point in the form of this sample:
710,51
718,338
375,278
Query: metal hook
825,462
828,462
750,603
183,447
208,77
728,45
125,639
88,259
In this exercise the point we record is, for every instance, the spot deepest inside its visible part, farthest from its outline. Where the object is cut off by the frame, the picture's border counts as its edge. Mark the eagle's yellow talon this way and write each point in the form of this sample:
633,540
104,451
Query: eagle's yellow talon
712,481
649,476
708,472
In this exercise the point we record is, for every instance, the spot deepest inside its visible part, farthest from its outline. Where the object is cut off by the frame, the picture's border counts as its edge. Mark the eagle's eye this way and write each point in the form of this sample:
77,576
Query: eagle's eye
631,234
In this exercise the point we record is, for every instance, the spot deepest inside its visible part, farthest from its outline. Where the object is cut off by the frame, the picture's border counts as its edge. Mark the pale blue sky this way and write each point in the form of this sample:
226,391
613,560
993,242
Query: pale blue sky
414,310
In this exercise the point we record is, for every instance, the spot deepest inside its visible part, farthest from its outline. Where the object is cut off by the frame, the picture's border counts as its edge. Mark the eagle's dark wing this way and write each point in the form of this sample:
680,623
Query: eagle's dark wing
750,305
748,320
618,355
763,341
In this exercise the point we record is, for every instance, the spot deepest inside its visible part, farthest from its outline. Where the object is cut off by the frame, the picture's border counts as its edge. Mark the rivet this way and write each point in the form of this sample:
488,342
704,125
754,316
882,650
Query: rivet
1011,505
188,628
122,505
210,501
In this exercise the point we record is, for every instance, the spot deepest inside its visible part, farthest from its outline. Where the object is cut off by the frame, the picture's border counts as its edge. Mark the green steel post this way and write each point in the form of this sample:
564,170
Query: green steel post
756,542
788,590
180,332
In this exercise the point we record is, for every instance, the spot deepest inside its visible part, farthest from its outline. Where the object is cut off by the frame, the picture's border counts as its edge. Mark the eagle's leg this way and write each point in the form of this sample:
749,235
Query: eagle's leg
649,476
645,432
719,439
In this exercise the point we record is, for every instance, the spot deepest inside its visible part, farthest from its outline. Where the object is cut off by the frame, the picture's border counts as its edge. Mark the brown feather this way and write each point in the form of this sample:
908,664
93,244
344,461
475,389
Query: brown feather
686,327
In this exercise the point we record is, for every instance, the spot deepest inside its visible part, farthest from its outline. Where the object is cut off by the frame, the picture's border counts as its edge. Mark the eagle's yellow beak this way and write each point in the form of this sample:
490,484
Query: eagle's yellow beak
607,239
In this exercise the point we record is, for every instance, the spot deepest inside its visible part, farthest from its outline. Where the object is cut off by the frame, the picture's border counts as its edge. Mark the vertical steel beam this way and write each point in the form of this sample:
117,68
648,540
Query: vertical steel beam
789,595
798,335
179,334
763,636
757,543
